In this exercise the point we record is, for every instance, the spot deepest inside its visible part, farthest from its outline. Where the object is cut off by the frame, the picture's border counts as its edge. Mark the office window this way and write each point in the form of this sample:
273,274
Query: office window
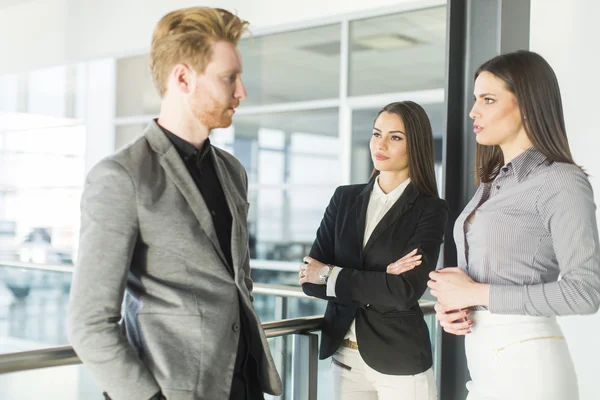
398,53
293,66
41,180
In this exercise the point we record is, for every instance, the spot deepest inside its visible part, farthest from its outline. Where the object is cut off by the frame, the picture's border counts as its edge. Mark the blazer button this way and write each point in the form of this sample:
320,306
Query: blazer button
367,306
236,327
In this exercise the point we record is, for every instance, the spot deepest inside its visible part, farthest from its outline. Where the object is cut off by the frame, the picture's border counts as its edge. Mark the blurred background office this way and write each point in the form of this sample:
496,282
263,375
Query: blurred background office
75,87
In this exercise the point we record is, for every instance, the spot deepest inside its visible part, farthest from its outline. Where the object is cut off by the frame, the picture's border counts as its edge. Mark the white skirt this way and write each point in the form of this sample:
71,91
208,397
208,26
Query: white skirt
515,357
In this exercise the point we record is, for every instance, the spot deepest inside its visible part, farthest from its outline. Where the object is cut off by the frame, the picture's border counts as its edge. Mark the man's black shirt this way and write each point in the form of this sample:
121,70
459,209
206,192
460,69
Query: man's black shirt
200,165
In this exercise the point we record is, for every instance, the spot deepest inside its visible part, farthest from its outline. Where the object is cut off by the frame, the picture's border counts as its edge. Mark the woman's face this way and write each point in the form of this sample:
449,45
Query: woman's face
388,143
496,115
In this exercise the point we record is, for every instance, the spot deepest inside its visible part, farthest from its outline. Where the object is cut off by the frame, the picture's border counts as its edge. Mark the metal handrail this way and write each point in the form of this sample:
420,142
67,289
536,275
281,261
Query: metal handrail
263,265
34,359
40,267
65,355
292,326
280,290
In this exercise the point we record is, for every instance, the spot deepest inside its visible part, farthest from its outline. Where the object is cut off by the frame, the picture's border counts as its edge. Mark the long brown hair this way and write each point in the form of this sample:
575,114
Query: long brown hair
533,82
419,140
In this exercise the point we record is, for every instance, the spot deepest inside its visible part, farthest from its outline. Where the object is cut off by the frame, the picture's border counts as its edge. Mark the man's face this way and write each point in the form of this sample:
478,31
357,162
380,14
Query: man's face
215,93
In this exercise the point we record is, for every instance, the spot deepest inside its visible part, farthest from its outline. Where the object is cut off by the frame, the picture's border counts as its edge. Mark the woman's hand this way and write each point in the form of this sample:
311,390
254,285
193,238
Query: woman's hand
404,264
309,271
453,321
455,290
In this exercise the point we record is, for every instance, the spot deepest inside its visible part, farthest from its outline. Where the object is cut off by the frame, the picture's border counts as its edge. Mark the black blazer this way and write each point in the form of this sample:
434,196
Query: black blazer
392,335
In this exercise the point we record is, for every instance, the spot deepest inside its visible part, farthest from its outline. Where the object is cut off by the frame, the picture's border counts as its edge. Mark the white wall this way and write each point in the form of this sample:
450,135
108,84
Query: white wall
32,35
566,33
81,30
118,27
98,109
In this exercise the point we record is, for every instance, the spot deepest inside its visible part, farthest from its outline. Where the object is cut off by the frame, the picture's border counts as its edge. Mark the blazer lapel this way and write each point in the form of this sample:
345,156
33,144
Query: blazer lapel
177,171
239,228
362,203
403,204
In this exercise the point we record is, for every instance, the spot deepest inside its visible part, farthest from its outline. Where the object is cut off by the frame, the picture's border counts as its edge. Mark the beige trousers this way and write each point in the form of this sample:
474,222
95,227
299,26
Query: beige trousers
353,379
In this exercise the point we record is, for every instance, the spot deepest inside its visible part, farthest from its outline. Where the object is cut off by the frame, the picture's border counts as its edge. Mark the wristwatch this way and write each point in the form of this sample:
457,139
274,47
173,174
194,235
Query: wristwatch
325,272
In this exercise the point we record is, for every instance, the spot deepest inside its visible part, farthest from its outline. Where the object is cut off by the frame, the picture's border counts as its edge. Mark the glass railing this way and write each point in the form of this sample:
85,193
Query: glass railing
37,362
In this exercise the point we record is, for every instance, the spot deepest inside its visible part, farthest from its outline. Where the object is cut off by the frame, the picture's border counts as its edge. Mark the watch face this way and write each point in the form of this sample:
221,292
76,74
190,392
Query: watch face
323,271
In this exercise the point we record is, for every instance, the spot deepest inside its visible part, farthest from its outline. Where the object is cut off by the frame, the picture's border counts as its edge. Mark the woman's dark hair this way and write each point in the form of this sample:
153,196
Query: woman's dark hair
419,141
533,82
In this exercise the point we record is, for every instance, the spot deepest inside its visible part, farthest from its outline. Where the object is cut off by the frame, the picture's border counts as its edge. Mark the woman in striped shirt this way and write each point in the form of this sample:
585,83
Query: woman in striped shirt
527,242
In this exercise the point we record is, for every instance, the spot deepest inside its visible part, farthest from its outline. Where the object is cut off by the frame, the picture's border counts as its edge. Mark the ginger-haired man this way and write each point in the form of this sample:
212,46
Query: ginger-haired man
164,225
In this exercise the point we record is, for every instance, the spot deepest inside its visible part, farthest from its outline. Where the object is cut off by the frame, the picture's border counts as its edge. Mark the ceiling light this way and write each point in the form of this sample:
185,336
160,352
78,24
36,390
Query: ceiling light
386,41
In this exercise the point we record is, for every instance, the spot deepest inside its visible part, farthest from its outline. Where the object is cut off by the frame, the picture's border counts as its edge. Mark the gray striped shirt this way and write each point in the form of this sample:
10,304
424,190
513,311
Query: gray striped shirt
534,239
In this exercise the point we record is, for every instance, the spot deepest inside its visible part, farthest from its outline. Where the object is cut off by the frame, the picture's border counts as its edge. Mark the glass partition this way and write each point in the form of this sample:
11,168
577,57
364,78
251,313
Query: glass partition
41,181
288,147
33,308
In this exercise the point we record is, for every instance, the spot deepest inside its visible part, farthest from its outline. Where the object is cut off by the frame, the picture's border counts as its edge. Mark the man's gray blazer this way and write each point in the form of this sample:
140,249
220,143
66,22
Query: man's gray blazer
146,231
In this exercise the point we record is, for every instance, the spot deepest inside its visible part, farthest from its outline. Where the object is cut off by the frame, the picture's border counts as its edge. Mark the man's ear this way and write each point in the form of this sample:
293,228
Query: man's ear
182,77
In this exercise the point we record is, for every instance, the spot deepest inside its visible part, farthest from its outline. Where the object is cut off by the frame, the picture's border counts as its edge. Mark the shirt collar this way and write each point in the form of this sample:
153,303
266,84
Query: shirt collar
525,162
185,149
393,195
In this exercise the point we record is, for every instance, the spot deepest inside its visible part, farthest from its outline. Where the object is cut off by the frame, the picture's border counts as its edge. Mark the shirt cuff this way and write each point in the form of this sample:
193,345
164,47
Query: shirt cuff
507,299
331,281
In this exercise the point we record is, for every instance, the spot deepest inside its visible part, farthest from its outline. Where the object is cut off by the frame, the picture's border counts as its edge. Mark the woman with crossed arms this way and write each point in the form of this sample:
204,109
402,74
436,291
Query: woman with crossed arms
374,327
